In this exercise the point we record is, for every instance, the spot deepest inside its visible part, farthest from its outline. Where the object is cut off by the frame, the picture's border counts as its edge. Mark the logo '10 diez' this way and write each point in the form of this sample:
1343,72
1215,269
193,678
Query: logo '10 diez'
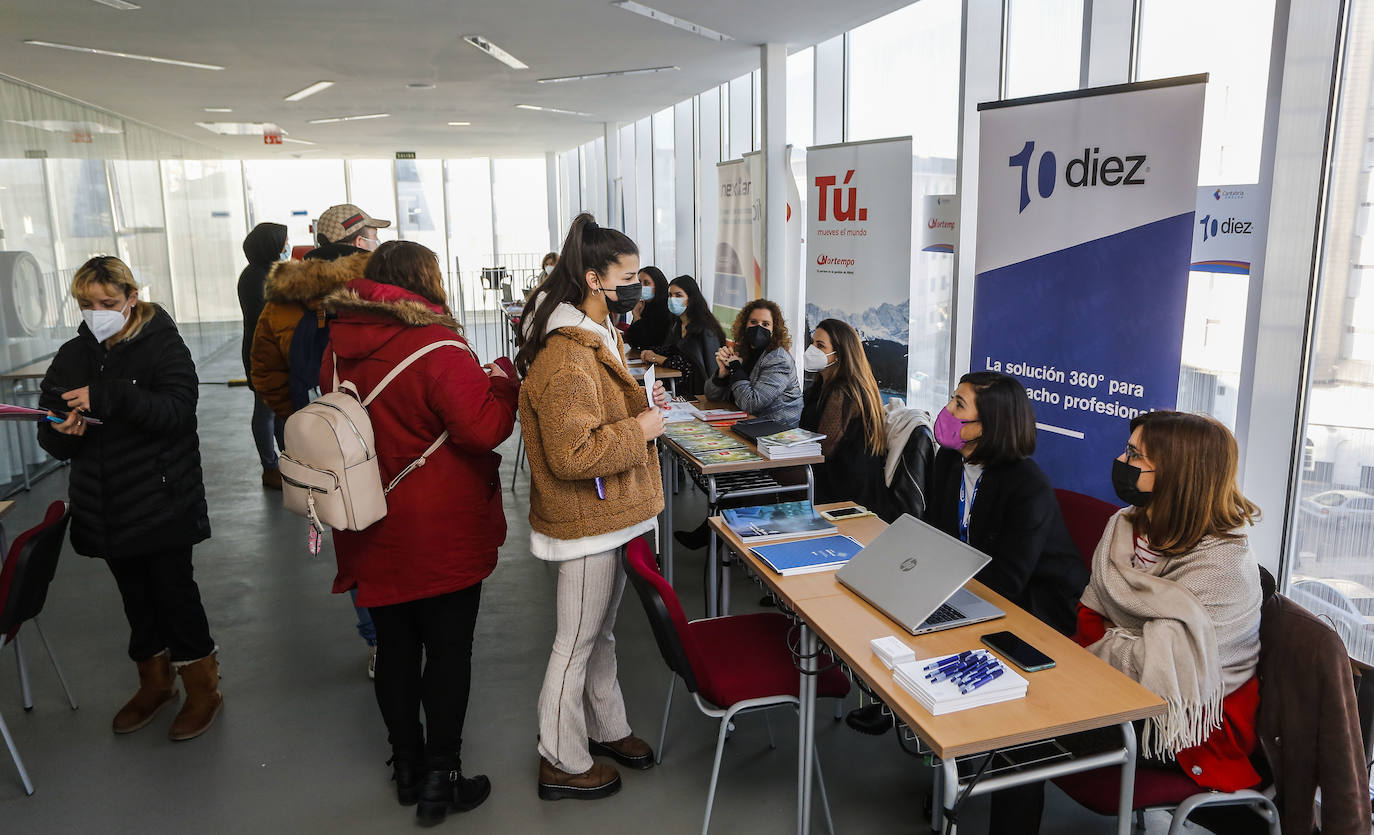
1092,169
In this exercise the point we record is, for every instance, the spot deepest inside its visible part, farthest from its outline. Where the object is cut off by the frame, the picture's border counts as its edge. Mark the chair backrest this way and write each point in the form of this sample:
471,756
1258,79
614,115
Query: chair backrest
29,569
663,609
1086,518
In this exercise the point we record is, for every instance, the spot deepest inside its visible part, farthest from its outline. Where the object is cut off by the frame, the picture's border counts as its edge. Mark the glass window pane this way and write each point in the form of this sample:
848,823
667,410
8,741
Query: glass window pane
801,101
420,204
1179,37
293,192
1331,556
469,231
1044,46
522,219
665,230
920,41
625,185
370,188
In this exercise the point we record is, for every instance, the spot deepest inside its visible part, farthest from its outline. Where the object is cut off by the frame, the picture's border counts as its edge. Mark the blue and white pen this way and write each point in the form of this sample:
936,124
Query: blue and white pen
974,685
958,671
974,673
951,661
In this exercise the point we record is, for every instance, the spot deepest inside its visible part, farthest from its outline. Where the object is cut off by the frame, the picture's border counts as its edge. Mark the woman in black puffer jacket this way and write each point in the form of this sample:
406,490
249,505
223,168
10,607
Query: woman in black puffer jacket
137,494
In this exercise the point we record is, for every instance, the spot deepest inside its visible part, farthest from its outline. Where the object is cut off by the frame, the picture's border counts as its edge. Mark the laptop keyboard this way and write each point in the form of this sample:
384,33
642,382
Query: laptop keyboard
944,614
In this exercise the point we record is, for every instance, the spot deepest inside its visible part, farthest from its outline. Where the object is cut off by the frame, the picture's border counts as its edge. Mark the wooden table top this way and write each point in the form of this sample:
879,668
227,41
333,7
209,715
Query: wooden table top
638,367
1080,693
5,507
33,371
737,466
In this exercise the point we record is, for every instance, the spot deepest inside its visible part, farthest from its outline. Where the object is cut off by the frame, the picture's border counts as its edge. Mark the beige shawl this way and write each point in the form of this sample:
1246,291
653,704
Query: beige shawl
1189,634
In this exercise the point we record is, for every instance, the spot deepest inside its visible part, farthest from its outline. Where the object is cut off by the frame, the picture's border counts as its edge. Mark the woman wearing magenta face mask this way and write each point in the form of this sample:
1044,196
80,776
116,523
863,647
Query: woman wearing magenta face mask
986,490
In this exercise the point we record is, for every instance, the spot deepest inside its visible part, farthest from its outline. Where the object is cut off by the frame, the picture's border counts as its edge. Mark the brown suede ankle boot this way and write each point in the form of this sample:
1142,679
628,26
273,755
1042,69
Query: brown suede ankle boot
203,699
599,781
156,687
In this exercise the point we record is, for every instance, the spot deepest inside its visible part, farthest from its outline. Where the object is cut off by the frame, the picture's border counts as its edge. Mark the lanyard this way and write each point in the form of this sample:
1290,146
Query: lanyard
964,501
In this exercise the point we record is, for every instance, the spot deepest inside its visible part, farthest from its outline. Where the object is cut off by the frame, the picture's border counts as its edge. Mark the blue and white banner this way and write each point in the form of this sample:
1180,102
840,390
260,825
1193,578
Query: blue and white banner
1228,229
1085,231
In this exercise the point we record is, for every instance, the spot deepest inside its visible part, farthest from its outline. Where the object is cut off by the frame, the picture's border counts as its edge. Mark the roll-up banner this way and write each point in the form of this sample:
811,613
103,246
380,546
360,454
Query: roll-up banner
1085,232
1228,229
739,240
858,248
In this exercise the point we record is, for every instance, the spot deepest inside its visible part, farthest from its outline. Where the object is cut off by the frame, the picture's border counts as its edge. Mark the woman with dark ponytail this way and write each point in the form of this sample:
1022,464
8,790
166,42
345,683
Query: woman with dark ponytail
594,486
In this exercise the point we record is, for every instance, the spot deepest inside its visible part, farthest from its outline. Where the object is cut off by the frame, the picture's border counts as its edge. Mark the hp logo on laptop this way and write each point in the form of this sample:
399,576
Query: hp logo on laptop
908,563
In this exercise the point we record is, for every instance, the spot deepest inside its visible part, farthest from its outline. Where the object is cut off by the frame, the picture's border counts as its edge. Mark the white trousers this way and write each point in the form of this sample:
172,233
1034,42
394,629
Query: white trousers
581,694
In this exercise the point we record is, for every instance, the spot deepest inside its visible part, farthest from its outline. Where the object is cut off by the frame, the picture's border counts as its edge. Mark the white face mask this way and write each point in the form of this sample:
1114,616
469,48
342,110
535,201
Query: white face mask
104,324
368,244
285,254
814,359
548,268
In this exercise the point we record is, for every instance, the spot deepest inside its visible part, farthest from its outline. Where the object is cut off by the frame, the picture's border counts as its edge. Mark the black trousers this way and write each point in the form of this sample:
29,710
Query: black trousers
162,604
424,656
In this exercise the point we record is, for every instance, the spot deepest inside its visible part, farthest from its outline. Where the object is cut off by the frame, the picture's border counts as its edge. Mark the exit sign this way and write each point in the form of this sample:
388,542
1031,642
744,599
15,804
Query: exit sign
405,155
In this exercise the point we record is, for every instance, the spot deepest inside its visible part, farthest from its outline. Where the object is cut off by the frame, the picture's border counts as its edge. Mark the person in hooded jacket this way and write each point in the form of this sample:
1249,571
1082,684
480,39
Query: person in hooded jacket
136,489
288,345
420,569
264,246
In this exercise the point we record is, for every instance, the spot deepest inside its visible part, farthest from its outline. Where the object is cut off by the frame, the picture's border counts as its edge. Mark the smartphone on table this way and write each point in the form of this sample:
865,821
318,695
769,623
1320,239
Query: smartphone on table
1018,652
839,514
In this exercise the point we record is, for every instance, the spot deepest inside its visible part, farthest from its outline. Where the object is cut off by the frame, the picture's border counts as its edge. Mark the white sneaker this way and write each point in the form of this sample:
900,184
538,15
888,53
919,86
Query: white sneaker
372,663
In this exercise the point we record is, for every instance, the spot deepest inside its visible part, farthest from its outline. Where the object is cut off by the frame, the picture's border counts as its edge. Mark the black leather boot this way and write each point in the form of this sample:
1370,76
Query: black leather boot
408,772
695,539
446,790
869,720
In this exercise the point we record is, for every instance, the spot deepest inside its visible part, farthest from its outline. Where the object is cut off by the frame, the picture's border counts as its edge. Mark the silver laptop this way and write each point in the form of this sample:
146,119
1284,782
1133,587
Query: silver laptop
915,574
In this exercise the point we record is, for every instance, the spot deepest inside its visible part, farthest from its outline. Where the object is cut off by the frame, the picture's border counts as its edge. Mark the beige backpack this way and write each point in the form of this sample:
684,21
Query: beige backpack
329,468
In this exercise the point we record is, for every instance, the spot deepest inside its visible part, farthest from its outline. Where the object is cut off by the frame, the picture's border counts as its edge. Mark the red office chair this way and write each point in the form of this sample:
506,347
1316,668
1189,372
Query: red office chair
24,579
1086,519
1172,790
731,664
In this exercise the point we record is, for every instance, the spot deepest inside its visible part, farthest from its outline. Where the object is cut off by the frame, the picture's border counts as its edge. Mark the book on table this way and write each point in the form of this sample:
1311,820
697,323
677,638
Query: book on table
946,697
707,443
774,452
774,522
695,429
757,428
726,456
792,437
807,556
714,415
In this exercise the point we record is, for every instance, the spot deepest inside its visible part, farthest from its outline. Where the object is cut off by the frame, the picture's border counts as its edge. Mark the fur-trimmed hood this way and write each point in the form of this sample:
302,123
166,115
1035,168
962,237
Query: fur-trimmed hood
368,315
371,298
309,281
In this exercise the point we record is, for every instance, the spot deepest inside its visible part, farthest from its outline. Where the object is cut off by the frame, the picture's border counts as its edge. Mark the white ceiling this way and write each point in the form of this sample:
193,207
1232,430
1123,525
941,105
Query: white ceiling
374,49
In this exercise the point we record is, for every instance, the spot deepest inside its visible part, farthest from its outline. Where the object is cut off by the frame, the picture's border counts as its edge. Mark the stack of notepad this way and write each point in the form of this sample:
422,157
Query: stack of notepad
965,680
775,522
794,443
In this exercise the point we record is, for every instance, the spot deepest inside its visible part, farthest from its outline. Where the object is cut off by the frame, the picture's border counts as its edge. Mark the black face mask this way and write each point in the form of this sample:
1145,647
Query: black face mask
1125,477
758,336
624,299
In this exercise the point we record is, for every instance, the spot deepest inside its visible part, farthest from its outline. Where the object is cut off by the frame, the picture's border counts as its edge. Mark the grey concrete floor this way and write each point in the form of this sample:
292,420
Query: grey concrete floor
300,746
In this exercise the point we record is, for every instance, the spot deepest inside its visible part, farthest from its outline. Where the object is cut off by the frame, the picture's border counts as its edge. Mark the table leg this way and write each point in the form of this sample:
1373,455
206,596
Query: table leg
810,485
665,466
806,732
947,796
712,558
1127,798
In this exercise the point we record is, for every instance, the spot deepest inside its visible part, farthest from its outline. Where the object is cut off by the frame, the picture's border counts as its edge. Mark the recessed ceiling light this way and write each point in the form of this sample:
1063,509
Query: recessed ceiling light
298,141
310,91
219,110
130,55
349,118
496,52
611,74
552,110
63,125
459,124
238,128
664,17
122,5
419,85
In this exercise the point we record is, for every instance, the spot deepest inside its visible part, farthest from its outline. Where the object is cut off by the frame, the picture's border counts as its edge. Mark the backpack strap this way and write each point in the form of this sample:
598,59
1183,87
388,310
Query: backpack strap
405,363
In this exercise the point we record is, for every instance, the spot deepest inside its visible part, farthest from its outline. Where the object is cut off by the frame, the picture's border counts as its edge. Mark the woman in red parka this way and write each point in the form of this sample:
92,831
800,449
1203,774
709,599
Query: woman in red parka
420,569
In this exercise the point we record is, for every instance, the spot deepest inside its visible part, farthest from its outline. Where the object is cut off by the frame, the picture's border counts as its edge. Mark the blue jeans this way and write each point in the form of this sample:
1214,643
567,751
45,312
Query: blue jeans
366,630
266,432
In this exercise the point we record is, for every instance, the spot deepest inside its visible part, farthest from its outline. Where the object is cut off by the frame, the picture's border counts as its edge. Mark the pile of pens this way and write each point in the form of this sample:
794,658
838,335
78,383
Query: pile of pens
967,671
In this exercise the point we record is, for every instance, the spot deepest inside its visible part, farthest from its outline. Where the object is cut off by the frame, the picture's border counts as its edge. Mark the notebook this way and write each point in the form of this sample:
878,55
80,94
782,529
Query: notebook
807,556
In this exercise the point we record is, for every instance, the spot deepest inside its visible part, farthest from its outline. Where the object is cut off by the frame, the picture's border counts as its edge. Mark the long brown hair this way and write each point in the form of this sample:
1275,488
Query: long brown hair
410,266
781,338
587,247
110,272
1195,493
854,381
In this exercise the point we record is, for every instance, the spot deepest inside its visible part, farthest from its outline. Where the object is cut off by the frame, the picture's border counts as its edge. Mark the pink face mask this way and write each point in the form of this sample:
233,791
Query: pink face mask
947,428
